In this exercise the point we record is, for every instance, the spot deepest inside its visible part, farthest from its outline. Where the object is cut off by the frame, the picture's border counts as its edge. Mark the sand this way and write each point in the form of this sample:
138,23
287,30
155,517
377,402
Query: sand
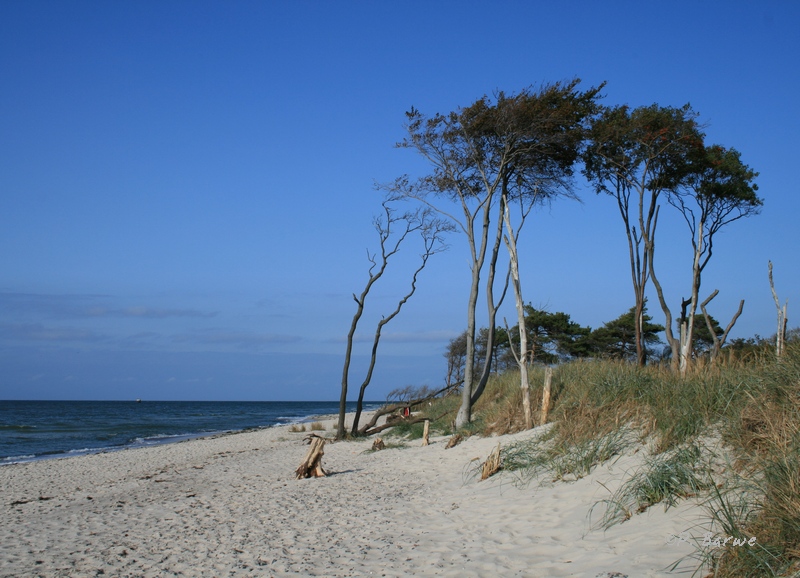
231,506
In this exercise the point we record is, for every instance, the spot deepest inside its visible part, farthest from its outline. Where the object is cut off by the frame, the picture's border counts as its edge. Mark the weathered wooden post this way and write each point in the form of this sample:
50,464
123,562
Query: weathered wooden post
426,432
548,381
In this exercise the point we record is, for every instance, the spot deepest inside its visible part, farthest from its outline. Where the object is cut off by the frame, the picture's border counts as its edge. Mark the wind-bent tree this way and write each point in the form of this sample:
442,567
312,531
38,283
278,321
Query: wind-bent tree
717,190
482,157
634,156
393,229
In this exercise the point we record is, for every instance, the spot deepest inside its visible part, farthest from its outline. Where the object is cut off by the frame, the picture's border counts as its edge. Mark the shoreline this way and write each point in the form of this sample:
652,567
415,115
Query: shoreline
150,439
229,505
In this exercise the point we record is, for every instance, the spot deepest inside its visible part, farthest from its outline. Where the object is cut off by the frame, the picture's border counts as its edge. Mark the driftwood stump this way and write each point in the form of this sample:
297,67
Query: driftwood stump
426,433
378,444
454,441
492,464
311,467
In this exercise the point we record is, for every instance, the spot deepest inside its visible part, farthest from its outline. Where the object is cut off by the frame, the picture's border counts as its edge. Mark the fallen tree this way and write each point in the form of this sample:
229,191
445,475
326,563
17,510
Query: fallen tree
371,427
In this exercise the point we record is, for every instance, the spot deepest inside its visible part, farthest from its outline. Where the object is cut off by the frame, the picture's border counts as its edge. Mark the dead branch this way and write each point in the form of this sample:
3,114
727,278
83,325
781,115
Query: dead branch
718,341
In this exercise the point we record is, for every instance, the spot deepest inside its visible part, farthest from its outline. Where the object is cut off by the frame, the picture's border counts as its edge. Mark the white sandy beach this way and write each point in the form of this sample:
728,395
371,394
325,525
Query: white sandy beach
231,506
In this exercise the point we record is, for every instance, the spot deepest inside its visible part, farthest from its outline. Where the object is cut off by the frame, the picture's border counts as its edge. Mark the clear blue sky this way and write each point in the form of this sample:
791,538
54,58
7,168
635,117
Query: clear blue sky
186,188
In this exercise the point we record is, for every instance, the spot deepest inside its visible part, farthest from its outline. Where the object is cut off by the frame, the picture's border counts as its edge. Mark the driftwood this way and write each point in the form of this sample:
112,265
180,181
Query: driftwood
492,464
378,444
426,432
311,467
454,441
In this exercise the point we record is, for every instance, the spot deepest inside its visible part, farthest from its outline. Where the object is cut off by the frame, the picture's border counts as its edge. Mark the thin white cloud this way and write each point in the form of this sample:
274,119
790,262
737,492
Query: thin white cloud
39,332
81,306
403,337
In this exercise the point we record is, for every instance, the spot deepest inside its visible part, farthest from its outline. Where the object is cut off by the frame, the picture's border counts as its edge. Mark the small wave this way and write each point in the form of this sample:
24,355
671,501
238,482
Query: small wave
17,459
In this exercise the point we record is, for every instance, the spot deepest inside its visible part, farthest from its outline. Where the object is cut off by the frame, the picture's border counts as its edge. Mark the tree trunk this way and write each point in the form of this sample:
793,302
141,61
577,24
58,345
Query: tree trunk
340,427
464,415
780,338
492,307
522,358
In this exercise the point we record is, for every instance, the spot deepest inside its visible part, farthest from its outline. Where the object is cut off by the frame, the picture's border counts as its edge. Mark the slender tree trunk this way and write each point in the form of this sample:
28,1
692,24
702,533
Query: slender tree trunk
674,344
464,415
429,250
522,358
687,326
491,306
340,428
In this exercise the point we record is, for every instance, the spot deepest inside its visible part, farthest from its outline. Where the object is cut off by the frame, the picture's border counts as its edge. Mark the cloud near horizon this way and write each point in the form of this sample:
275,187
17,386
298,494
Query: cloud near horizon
39,332
238,339
87,306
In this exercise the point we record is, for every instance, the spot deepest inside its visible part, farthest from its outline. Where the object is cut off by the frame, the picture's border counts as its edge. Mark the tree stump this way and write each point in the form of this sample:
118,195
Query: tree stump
311,467
492,464
426,433
378,444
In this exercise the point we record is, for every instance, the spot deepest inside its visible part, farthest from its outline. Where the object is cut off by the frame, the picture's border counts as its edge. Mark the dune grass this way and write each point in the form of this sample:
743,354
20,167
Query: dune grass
600,408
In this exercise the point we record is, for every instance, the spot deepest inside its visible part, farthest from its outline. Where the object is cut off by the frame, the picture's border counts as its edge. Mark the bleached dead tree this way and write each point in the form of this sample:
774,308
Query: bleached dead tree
522,358
719,341
393,229
780,338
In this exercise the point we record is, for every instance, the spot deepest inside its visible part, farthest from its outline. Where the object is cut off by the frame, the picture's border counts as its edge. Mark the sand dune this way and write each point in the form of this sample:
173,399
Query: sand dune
230,506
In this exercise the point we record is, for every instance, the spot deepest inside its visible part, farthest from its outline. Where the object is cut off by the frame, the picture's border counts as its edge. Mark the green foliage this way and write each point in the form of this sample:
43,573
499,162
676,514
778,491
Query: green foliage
616,339
650,147
553,336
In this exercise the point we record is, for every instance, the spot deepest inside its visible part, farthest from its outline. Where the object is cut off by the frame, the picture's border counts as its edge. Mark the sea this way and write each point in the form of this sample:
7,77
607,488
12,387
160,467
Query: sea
36,430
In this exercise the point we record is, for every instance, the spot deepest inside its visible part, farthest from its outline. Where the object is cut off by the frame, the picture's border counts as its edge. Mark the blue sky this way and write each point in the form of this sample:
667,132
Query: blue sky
186,188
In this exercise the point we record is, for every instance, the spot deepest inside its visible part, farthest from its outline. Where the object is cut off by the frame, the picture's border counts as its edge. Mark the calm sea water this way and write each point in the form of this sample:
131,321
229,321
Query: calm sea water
31,430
